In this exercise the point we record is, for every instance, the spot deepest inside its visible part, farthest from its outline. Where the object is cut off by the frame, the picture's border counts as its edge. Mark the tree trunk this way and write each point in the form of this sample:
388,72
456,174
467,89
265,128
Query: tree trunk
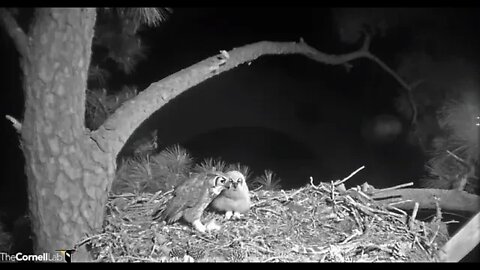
65,169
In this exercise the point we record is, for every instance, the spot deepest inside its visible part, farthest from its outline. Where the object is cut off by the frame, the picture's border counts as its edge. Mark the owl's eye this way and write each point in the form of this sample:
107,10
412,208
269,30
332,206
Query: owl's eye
220,180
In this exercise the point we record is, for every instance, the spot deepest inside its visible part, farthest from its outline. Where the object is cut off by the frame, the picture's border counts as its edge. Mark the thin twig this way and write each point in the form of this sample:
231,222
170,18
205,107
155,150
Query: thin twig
424,229
204,238
311,182
260,248
355,234
456,157
124,195
269,210
398,210
438,210
364,195
348,177
414,215
296,192
408,89
388,213
332,193
138,258
285,194
430,242
399,202
393,188
82,242
273,258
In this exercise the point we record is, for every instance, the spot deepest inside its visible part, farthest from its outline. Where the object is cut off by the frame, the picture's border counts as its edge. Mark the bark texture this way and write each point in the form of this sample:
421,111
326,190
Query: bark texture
66,171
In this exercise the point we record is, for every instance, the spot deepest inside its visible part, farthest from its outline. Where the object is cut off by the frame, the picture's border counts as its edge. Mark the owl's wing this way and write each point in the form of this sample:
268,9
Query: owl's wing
195,207
185,195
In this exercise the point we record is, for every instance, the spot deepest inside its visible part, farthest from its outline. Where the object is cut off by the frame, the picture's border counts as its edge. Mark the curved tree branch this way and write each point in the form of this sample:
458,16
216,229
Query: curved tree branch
14,31
450,200
113,134
404,84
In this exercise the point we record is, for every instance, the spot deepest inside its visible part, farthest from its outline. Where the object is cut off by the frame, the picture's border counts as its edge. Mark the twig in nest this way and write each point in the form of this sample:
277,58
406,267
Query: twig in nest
355,234
424,229
414,215
273,258
286,196
398,210
393,188
378,211
332,193
311,182
82,242
258,203
124,195
203,238
438,214
348,177
430,242
357,218
367,210
260,248
268,199
296,192
399,202
423,248
138,258
269,210
451,222
359,191
111,255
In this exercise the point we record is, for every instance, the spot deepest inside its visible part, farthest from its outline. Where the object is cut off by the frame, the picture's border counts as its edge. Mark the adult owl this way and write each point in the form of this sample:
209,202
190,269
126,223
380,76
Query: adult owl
235,198
191,197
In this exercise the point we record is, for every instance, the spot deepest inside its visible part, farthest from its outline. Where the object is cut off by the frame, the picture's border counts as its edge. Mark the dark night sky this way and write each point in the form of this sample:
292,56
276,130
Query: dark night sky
295,116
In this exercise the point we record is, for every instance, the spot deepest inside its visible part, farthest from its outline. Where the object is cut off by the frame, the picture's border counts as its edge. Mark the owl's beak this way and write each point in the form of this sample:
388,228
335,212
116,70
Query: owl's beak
232,183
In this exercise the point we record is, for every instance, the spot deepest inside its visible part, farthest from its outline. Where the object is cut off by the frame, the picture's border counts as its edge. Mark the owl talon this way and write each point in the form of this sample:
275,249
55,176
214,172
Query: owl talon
199,226
237,215
228,215
212,226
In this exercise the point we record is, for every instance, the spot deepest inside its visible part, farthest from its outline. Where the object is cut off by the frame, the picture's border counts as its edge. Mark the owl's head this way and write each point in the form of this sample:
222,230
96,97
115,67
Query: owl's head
237,179
217,182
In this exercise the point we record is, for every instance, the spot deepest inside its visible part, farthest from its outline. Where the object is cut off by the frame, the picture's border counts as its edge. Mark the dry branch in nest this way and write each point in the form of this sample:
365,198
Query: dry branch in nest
324,222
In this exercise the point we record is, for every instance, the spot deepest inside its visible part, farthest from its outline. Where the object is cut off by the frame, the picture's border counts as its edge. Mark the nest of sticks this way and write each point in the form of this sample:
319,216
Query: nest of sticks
322,222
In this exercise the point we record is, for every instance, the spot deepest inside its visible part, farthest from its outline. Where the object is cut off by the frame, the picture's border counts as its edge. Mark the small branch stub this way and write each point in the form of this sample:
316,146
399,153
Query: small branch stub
15,123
